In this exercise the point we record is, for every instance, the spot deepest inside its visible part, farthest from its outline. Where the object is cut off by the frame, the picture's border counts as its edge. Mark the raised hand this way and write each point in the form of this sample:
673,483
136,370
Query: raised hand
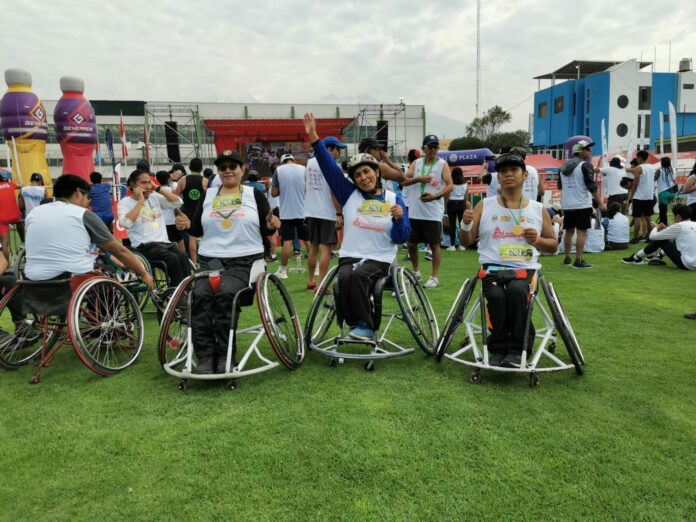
468,213
310,126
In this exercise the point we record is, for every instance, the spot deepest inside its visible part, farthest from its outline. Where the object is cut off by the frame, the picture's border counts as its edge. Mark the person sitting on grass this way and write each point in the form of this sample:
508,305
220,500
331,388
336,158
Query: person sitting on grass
376,221
617,229
677,241
511,230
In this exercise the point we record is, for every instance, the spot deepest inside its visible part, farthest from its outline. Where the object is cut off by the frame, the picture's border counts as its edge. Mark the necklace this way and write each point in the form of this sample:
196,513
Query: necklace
518,230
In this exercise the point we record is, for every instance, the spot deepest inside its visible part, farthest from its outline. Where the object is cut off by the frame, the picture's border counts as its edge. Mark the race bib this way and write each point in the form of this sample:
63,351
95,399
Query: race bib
516,252
227,203
373,207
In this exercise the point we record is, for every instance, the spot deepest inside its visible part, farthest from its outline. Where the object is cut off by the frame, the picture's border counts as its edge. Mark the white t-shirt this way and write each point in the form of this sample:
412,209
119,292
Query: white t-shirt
168,213
216,182
684,235
646,185
531,184
492,189
430,210
290,180
318,202
691,196
618,230
368,225
611,181
459,192
149,226
665,179
32,195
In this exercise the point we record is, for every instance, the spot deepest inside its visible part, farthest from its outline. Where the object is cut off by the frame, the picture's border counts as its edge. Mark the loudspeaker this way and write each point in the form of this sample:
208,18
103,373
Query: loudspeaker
382,133
171,134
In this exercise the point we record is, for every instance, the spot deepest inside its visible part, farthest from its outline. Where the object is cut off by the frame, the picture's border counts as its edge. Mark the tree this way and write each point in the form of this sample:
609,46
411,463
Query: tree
485,126
466,143
505,140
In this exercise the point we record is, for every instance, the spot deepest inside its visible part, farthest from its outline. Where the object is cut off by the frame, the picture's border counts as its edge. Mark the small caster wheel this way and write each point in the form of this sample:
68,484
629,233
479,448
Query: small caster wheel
534,381
475,377
183,384
231,384
552,347
333,363
370,366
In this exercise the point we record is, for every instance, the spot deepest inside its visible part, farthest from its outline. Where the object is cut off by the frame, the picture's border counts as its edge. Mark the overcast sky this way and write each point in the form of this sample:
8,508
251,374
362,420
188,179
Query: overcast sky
301,51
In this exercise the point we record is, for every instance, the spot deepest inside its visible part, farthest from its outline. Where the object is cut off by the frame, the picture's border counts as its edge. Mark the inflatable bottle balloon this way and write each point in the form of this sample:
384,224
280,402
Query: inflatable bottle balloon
23,117
76,128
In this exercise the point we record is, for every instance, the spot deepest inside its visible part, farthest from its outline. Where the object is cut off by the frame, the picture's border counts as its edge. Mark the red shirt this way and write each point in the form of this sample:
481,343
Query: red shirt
9,208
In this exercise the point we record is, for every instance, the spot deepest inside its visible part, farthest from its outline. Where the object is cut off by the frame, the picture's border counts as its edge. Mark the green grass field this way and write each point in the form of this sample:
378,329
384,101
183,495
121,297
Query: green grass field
413,440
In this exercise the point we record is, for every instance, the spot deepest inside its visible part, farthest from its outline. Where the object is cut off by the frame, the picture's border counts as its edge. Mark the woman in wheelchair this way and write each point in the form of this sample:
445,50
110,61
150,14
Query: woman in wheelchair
376,221
231,220
61,236
141,215
511,230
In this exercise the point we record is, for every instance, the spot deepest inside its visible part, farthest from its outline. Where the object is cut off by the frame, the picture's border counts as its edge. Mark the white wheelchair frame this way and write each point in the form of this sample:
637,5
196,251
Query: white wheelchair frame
257,276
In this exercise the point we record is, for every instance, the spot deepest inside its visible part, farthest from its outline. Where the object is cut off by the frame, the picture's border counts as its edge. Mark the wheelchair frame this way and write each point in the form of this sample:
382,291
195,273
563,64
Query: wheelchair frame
471,354
331,347
259,282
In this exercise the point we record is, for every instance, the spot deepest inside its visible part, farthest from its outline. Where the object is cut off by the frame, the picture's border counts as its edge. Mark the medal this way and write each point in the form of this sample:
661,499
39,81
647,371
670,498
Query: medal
226,224
517,230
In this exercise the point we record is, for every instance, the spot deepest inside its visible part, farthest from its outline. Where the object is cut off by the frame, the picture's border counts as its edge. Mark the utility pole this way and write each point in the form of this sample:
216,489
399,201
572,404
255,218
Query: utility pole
478,57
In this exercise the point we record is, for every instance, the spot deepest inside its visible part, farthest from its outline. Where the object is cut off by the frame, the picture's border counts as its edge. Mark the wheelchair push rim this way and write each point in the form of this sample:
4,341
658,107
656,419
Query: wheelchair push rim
105,326
322,311
563,327
174,329
455,317
280,321
416,309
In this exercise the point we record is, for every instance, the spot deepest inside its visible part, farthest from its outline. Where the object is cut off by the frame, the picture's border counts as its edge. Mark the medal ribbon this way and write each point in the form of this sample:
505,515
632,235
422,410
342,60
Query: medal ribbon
222,214
518,219
422,185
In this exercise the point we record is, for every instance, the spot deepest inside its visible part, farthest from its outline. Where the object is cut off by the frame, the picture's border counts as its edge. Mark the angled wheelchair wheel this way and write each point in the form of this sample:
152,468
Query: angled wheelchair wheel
280,320
455,317
20,259
563,326
415,308
174,329
20,343
139,290
322,312
105,326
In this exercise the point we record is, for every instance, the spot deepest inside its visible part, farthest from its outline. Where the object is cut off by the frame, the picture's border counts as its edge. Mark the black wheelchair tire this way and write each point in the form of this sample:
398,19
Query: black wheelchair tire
290,350
427,345
557,315
454,320
317,305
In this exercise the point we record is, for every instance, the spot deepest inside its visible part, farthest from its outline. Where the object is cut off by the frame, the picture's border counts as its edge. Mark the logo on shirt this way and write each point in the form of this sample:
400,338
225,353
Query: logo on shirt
194,194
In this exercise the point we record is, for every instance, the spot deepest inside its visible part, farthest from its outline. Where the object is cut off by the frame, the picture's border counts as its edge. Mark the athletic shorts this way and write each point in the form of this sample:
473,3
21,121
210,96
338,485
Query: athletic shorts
643,207
425,231
173,234
288,228
579,218
322,231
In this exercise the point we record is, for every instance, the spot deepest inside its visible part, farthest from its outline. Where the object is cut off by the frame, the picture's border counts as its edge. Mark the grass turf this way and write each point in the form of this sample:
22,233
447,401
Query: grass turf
412,440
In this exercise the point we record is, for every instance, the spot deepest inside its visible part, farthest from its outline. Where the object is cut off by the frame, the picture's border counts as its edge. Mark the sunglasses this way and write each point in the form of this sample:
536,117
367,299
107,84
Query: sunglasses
228,166
433,146
89,196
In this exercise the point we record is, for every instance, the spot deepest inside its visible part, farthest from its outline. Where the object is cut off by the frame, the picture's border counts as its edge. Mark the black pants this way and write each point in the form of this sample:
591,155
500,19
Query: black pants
669,248
356,279
7,281
211,313
508,303
455,211
178,266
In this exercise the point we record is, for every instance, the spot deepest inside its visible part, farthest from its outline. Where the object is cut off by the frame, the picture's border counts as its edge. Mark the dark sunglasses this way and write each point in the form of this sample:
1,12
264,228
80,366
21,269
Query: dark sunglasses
228,166
434,146
89,196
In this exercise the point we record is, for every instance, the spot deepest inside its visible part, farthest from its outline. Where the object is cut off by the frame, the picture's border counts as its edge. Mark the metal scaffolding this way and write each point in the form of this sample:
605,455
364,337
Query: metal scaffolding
372,120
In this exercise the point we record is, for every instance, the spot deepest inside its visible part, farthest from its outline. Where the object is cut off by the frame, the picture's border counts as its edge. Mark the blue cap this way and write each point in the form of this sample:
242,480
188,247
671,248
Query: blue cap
333,141
430,139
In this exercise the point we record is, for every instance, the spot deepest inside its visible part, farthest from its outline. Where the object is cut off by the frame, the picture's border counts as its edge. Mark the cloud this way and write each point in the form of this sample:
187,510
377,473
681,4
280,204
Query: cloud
300,51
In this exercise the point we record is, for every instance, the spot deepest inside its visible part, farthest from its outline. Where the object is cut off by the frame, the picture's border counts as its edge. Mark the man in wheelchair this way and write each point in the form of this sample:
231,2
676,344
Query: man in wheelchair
232,221
63,236
375,222
511,230
141,215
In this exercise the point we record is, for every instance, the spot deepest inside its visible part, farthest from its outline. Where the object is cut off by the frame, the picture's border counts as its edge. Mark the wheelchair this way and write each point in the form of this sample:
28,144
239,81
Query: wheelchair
469,347
280,325
94,313
324,331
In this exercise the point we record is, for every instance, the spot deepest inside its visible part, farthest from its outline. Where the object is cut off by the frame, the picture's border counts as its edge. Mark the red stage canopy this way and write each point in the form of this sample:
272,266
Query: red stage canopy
543,161
229,134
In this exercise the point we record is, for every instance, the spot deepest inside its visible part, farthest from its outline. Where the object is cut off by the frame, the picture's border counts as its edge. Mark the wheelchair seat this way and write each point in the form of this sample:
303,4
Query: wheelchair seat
50,297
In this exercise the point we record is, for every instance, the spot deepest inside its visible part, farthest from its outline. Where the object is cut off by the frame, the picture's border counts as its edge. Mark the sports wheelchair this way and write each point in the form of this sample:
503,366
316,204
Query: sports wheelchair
324,331
470,346
94,313
280,324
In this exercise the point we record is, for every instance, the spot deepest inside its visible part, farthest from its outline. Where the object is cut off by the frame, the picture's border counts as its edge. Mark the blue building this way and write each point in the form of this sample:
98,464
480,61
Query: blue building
619,93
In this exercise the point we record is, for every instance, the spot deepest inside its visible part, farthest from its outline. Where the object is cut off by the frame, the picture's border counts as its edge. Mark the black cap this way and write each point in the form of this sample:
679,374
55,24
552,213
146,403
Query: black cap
229,155
369,143
430,139
509,158
36,177
179,167
143,166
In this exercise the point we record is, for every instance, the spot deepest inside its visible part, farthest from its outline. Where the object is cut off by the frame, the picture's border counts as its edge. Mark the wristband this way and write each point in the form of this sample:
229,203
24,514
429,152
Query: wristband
339,214
467,226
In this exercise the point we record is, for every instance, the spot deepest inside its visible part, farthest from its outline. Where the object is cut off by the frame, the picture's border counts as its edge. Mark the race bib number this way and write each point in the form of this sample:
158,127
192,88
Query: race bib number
227,203
516,252
372,207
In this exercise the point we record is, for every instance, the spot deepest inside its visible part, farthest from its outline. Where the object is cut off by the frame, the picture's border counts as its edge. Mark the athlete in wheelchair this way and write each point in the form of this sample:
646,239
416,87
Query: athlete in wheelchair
232,220
376,221
511,230
62,299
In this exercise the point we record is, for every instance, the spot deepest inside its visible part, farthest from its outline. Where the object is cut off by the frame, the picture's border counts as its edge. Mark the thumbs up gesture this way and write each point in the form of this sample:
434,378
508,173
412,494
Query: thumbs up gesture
468,213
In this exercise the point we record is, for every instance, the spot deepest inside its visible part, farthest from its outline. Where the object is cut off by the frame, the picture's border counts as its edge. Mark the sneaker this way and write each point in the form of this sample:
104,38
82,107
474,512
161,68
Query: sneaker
689,316
311,285
567,261
656,262
282,274
632,260
418,275
205,366
512,360
297,253
460,248
433,282
428,256
580,263
451,249
496,358
634,241
361,333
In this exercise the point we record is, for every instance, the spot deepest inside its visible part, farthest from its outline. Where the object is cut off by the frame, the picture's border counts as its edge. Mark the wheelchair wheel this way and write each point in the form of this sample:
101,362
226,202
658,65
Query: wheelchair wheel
455,317
105,326
21,343
416,309
280,320
138,289
20,258
322,312
174,332
563,326
569,327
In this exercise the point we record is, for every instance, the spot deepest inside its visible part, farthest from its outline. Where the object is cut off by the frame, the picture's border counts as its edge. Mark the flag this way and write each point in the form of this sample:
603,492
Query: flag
662,134
122,133
605,157
673,133
97,158
109,140
147,148
642,132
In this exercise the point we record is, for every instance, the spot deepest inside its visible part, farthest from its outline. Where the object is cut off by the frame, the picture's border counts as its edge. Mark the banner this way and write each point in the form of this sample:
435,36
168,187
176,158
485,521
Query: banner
642,132
673,133
662,134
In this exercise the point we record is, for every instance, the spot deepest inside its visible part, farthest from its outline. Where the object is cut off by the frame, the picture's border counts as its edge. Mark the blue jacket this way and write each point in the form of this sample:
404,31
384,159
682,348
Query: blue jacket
101,200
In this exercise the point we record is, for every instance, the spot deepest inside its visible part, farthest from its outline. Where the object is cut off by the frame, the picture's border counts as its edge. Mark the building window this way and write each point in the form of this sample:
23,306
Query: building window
689,86
587,109
621,130
575,100
644,95
622,101
558,105
543,109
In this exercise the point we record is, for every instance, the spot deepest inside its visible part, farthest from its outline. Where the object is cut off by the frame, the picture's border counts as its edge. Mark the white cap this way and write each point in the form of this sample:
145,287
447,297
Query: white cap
286,157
